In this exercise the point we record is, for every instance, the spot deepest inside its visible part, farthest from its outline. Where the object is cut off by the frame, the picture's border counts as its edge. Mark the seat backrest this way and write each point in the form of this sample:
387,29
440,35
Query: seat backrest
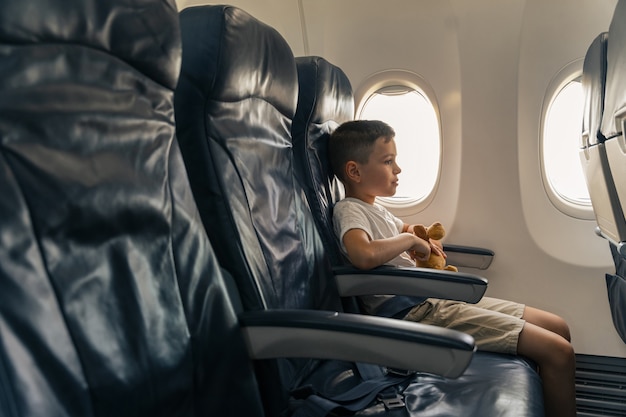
612,132
325,101
594,85
612,127
111,300
593,156
235,102
234,108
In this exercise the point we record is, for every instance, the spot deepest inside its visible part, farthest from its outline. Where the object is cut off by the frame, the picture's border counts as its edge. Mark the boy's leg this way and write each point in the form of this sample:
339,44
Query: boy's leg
555,358
548,321
495,324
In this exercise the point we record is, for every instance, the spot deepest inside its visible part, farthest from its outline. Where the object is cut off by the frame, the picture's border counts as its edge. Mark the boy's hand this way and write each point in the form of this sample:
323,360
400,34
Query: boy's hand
420,250
433,247
437,248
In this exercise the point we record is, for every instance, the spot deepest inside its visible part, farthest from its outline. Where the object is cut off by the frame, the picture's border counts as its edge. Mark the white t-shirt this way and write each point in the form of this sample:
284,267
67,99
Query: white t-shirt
378,223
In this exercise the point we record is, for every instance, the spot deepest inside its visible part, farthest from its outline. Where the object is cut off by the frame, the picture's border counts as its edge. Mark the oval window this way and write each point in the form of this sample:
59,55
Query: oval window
562,169
418,139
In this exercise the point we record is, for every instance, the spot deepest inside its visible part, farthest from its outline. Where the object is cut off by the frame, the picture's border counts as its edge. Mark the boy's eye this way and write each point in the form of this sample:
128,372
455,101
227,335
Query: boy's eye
389,161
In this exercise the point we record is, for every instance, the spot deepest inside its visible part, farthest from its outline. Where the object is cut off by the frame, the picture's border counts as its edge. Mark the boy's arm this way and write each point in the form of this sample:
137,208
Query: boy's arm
365,253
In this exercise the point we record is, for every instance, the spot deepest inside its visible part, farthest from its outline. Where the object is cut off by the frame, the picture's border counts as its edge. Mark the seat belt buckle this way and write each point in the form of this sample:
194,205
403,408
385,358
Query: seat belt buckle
391,401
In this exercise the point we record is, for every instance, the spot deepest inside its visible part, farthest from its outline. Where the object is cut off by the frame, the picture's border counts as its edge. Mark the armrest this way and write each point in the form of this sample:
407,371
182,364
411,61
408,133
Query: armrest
356,338
420,282
468,256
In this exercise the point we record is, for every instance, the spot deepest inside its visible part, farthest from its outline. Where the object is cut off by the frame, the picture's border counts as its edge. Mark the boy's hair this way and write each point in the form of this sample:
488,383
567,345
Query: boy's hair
354,141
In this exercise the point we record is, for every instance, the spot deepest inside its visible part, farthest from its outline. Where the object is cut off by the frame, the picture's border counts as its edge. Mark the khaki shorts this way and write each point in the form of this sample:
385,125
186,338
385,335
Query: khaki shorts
494,324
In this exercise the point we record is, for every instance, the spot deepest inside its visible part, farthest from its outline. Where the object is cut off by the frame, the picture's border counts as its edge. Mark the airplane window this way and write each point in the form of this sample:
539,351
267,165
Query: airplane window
560,148
415,121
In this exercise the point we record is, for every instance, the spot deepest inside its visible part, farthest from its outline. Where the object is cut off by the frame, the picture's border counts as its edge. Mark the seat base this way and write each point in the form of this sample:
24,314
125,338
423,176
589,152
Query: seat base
493,385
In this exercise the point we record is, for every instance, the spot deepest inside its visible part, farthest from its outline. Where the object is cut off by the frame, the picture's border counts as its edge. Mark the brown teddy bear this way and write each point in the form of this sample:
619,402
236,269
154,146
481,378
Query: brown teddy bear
436,232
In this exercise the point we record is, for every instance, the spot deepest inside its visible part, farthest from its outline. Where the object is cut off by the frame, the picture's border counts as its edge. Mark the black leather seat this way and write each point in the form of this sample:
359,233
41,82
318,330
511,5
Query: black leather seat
234,107
111,301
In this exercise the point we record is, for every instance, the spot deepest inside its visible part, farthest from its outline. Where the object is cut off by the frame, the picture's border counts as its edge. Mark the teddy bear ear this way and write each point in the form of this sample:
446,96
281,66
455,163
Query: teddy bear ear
420,231
436,231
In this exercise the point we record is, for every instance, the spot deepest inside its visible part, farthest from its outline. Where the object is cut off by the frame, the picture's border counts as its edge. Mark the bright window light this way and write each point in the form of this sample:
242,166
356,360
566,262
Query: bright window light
561,138
415,122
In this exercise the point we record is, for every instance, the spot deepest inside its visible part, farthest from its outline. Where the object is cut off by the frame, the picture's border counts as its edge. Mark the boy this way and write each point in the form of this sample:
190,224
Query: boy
363,156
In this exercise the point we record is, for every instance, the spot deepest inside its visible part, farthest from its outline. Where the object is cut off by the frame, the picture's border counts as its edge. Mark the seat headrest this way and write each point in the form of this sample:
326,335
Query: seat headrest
143,33
229,68
325,92
325,101
593,82
615,97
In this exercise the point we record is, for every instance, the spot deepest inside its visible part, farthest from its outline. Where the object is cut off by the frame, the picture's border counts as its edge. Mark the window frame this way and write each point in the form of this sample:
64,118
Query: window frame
409,80
569,73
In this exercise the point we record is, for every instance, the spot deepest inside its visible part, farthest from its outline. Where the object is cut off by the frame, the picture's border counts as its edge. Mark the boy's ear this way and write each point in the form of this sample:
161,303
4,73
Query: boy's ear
352,171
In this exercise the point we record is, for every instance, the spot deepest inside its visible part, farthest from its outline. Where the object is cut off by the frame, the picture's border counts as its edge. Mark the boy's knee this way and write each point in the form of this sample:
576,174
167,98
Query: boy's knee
566,334
559,326
563,355
549,321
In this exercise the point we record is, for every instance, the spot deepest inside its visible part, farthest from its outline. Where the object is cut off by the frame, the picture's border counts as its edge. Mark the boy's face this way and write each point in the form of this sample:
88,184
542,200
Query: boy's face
379,176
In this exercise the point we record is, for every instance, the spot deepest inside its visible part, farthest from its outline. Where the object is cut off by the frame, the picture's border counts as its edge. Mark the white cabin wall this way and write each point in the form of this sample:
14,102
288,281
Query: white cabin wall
509,52
552,38
489,63
573,259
